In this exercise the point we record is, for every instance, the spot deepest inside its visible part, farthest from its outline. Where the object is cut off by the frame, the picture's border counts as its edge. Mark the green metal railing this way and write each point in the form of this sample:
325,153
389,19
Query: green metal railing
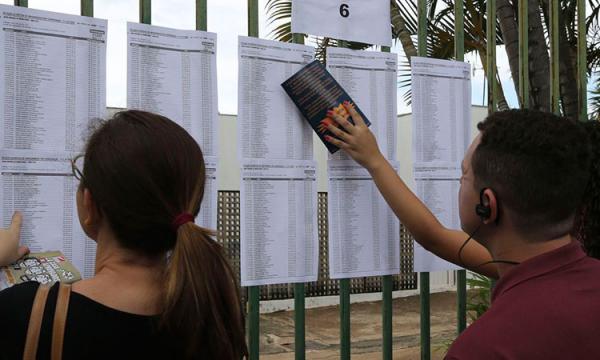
424,276
87,9
461,275
253,291
345,340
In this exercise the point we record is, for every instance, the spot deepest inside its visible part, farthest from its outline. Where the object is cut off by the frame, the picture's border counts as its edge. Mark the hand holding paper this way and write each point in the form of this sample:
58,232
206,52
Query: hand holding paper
357,140
10,251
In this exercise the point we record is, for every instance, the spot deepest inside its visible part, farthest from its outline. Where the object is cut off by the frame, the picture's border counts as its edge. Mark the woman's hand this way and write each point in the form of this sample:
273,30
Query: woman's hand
357,141
10,251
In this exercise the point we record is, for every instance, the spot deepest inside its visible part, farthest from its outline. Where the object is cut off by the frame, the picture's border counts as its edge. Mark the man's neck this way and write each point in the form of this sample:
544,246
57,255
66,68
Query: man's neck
518,249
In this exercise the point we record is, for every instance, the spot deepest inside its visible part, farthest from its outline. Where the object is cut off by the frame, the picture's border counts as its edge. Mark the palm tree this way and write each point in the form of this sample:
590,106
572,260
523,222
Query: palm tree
440,40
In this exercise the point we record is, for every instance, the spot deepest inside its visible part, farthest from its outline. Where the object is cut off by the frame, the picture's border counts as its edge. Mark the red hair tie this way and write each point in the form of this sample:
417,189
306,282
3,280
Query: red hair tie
181,219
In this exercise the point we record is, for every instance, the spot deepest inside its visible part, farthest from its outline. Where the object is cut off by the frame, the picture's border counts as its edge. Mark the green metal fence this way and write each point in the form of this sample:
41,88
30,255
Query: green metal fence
253,293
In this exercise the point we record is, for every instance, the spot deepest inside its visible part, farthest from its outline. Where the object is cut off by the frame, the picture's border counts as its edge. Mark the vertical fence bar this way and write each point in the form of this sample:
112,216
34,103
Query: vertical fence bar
461,275
387,305
87,8
299,290
299,322
386,321
425,318
145,11
253,18
345,343
459,30
554,58
581,60
345,319
491,55
424,276
201,15
23,3
524,54
253,291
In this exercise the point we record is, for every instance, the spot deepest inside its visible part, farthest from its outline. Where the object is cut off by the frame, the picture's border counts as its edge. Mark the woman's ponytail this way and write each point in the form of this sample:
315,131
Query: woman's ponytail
588,225
201,301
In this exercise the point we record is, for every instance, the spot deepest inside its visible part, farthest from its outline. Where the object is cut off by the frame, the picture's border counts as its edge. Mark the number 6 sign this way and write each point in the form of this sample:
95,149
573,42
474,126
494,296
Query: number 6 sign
366,21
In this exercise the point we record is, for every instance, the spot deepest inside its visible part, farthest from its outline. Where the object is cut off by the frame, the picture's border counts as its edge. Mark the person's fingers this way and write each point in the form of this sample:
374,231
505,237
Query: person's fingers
347,125
15,225
341,134
337,142
358,120
22,251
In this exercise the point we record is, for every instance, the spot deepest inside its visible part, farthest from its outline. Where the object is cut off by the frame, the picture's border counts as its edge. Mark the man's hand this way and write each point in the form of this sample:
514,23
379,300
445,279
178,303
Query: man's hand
10,251
357,140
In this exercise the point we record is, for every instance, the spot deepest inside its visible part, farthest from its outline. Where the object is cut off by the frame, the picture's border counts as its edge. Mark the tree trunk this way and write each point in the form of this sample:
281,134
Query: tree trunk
507,18
402,33
539,61
568,75
567,68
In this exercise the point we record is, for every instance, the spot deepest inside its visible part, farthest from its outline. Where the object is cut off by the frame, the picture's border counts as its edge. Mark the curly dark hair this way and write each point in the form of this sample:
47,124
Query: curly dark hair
587,228
538,164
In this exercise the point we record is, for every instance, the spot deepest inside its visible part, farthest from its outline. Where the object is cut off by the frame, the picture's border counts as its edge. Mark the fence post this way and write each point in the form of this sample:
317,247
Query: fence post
387,304
344,295
461,275
523,54
554,58
201,15
424,276
299,290
253,291
491,55
87,8
582,60
146,11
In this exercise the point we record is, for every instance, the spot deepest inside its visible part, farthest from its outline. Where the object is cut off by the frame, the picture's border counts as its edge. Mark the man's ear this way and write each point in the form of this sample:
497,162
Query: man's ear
489,199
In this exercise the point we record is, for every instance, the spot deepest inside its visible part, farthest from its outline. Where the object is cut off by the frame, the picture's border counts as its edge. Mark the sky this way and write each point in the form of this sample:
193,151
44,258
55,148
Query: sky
227,18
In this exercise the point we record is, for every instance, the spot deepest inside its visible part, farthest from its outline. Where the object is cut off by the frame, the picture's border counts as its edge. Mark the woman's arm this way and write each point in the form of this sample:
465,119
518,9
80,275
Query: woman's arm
360,144
10,251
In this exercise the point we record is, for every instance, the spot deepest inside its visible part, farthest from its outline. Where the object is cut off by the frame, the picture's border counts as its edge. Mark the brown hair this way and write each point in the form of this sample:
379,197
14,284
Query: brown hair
143,170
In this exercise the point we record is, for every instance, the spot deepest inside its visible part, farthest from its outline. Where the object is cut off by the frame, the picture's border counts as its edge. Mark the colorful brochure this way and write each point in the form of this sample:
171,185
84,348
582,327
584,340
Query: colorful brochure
315,92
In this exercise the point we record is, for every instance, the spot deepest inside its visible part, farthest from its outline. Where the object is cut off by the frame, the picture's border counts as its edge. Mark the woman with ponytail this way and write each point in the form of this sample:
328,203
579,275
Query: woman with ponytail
163,288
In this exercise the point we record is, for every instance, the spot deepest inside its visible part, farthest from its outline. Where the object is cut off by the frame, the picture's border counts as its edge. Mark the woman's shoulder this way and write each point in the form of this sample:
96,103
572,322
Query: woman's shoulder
15,310
17,297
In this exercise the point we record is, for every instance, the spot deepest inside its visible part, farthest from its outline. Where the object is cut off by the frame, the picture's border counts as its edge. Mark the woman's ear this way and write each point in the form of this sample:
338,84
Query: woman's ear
90,215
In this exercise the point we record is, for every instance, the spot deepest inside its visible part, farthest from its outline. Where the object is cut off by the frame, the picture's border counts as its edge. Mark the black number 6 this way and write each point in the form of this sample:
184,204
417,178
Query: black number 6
344,10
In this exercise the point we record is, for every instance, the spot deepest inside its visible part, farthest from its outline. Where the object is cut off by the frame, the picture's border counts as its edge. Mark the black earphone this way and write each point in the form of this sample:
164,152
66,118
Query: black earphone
483,211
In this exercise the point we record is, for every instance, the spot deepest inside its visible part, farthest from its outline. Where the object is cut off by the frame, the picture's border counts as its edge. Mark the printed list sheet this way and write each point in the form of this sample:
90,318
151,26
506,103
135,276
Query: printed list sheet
278,204
53,71
364,233
441,98
173,73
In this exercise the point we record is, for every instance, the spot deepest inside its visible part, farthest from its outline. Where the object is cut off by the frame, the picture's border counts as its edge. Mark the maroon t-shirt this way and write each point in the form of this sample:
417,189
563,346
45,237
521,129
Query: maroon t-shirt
548,307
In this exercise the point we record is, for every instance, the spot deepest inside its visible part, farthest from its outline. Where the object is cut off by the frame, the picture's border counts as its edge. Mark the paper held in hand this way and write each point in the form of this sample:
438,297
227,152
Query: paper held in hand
315,92
353,20
45,268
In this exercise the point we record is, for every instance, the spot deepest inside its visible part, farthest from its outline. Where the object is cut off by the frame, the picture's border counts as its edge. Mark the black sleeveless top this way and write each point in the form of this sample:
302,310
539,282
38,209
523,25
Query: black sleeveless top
93,330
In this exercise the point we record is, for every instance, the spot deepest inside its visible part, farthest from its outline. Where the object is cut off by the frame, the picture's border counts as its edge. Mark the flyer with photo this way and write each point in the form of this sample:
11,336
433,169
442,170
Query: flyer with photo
45,268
